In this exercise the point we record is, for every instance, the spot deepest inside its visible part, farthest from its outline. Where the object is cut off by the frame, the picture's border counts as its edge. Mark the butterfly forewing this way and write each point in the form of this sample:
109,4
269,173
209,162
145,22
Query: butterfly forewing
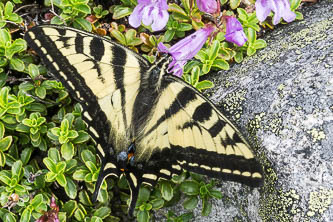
93,70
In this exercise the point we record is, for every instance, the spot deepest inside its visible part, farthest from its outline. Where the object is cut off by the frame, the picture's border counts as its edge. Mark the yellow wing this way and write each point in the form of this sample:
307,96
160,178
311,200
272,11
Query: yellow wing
195,136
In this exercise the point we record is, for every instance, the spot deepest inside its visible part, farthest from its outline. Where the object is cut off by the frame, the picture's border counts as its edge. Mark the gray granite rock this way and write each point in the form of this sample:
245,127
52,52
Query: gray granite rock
283,97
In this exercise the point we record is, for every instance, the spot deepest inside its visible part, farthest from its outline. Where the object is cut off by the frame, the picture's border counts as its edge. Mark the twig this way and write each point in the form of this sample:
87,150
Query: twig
25,6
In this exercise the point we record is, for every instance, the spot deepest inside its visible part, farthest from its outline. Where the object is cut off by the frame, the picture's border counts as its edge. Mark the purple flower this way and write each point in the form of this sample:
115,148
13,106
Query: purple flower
234,32
281,8
186,49
208,6
150,12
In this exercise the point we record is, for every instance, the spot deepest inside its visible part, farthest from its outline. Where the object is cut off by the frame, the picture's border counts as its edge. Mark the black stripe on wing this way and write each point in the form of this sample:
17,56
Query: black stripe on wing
232,158
160,165
69,77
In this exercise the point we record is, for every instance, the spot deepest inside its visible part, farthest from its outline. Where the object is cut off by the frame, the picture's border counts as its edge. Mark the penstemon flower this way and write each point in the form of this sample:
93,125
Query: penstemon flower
234,32
208,6
186,49
150,12
281,8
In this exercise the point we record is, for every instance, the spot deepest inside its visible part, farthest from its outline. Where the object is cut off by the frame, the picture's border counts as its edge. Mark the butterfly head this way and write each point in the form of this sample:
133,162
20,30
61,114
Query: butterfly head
126,158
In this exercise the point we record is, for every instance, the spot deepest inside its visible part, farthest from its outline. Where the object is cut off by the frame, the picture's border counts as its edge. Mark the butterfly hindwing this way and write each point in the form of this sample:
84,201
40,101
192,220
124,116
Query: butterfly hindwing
200,137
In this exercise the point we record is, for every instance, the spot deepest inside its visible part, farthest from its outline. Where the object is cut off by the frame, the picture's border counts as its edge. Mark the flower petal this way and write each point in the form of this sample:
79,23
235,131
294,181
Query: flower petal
136,16
238,37
186,49
208,6
144,2
147,19
283,10
234,31
160,19
263,8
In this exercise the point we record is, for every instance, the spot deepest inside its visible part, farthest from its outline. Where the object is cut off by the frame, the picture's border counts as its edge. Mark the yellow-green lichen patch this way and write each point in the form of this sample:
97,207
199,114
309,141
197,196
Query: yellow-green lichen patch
315,32
233,103
316,134
319,201
274,125
255,123
281,87
279,205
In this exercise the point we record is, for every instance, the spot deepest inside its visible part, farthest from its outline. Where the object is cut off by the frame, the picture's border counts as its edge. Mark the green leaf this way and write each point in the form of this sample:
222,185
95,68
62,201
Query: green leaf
234,3
80,174
50,177
144,194
121,11
87,155
239,57
26,86
71,166
259,44
82,137
83,8
143,216
3,77
38,200
26,154
96,219
5,179
33,71
26,215
50,164
5,37
250,51
67,150
5,143
17,168
166,190
205,84
190,187
119,36
157,203
61,179
40,92
64,126
9,8
184,27
168,35
17,64
2,159
252,36
299,16
19,45
214,49
191,202
91,166
81,23
195,73
69,207
72,134
55,131
102,212
294,4
53,153
221,64
206,207
56,20
215,193
60,167
70,188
